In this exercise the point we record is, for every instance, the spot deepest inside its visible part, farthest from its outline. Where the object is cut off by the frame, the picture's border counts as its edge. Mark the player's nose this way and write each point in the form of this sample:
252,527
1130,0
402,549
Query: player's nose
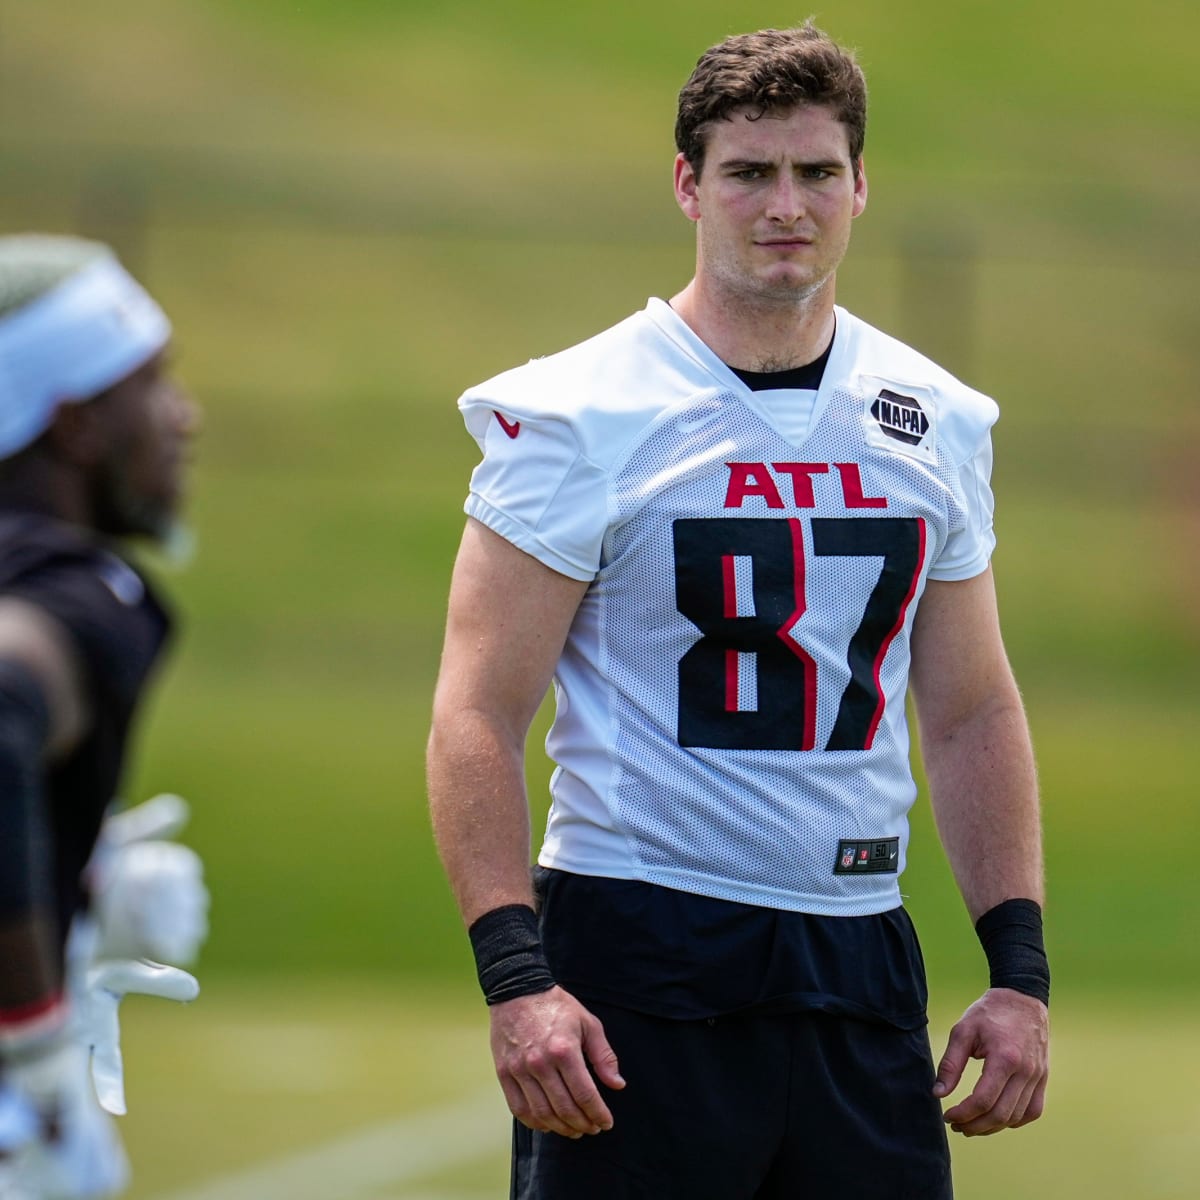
786,200
187,415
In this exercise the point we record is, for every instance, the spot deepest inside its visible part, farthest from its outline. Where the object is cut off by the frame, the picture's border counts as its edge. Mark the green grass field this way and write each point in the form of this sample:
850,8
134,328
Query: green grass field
352,212
256,1076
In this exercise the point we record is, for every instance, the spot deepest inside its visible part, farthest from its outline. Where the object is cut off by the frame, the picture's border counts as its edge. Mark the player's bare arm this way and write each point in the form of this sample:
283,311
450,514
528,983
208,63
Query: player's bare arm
983,787
507,622
36,654
36,640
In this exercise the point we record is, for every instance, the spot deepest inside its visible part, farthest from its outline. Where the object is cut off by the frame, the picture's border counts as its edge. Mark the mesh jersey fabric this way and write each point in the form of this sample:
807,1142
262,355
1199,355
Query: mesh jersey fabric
730,699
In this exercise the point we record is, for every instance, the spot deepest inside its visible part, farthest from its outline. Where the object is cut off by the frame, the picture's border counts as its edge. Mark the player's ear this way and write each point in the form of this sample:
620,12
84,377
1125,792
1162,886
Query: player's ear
860,187
686,188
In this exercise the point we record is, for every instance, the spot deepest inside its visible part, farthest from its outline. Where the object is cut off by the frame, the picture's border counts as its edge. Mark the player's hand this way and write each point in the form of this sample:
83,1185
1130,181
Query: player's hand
543,1046
100,1029
56,1143
153,904
1010,1032
148,894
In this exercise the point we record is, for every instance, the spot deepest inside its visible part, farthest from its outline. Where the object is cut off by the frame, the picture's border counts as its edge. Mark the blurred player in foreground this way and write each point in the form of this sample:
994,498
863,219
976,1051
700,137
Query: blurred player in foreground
735,529
93,904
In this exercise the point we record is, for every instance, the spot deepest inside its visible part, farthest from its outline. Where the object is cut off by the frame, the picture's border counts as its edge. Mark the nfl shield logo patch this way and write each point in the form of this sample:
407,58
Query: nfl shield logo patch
878,856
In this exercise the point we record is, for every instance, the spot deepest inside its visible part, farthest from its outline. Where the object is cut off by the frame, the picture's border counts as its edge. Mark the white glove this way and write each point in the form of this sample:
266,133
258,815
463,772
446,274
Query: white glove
149,902
162,816
154,904
148,894
99,1028
58,1144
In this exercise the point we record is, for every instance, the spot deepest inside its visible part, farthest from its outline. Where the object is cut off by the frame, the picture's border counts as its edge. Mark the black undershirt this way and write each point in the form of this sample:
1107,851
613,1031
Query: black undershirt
807,377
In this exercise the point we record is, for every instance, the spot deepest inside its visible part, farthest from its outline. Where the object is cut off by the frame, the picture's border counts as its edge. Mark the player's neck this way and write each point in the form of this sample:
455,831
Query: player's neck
758,335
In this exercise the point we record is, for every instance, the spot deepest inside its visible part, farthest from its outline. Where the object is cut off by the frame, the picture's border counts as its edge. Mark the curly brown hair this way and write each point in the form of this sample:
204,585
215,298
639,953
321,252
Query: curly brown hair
771,70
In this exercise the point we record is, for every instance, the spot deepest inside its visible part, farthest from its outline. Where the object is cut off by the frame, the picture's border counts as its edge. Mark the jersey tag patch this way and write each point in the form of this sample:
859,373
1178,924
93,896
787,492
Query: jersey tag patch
900,417
879,856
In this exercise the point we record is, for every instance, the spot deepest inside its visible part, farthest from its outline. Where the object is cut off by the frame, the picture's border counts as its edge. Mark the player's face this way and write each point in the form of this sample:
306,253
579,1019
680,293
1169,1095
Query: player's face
149,421
774,203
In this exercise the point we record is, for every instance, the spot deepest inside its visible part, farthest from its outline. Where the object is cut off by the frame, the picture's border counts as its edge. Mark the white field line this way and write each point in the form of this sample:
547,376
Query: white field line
440,1196
377,1158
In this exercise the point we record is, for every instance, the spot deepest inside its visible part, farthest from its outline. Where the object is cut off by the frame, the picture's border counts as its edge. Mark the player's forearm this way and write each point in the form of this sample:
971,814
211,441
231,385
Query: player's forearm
30,951
479,812
31,974
983,789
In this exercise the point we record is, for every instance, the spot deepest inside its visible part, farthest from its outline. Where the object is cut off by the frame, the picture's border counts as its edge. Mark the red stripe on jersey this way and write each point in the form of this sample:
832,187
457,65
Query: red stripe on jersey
731,681
809,739
729,582
891,637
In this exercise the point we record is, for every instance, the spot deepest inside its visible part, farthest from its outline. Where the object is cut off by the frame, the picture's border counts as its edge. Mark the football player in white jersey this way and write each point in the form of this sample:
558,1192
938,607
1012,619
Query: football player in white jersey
733,532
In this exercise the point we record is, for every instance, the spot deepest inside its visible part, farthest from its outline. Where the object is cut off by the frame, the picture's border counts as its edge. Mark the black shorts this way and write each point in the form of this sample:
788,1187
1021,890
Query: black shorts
796,1106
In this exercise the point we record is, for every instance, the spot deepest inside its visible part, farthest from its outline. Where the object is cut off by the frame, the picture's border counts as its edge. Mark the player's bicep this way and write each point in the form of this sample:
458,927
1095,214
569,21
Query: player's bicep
39,644
959,665
508,619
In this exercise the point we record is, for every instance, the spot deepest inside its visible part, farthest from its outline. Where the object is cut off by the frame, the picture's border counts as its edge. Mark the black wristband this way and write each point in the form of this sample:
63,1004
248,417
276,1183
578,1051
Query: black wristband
508,954
1011,936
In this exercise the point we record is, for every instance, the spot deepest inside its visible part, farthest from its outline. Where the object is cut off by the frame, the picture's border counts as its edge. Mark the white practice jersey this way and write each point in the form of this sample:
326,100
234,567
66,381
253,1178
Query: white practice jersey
731,698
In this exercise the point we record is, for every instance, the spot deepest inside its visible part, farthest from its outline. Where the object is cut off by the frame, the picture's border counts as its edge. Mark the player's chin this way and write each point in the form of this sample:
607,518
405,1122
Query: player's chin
787,283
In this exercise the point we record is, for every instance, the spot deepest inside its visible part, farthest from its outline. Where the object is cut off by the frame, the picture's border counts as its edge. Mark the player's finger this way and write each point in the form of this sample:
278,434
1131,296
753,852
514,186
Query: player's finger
996,1116
1001,1095
953,1062
586,1108
541,1112
1017,1116
984,1096
569,1086
601,1055
583,1114
514,1096
1036,1105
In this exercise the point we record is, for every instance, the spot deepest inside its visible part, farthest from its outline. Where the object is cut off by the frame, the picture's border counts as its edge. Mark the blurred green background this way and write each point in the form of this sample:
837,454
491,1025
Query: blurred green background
354,210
